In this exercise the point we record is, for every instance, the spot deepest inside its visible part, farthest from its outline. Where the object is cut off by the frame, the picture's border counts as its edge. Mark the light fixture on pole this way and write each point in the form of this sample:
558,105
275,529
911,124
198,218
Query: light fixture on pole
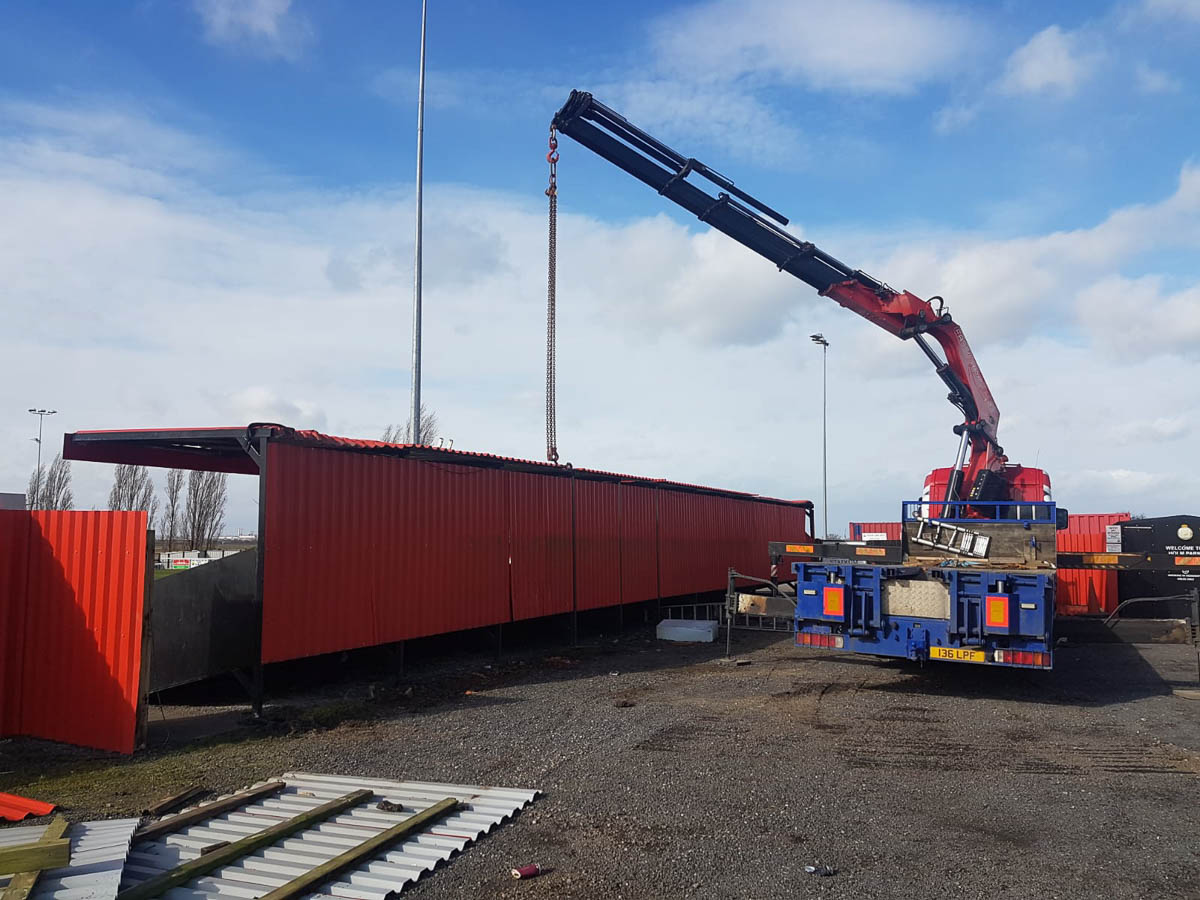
824,344
415,436
37,475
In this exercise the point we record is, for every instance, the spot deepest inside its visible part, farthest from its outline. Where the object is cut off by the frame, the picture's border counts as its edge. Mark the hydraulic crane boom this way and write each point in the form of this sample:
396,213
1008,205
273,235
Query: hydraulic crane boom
754,224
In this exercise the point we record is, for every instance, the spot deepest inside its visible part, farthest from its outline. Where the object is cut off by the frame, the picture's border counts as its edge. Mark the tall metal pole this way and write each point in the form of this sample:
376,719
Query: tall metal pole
415,437
825,434
37,476
820,339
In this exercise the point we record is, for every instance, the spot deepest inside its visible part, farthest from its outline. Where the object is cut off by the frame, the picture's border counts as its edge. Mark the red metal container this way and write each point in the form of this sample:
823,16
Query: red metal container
1084,592
862,531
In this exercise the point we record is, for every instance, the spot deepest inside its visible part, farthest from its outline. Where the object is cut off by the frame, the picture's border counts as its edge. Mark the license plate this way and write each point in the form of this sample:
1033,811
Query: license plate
957,654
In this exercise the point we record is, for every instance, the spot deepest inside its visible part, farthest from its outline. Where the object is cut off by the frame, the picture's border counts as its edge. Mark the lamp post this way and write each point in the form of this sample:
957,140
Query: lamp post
824,344
37,483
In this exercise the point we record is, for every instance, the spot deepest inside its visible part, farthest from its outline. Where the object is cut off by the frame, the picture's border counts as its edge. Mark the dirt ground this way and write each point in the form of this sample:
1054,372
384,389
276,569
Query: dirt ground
669,773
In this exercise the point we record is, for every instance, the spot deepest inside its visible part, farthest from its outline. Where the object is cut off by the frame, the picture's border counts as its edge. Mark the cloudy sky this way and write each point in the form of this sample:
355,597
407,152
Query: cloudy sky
207,220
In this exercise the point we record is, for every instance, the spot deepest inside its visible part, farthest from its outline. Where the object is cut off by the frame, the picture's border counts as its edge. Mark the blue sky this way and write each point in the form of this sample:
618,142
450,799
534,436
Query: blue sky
178,166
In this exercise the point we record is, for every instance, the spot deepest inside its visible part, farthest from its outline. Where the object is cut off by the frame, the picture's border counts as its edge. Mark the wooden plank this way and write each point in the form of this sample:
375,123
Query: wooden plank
194,868
369,848
174,802
22,883
207,811
35,856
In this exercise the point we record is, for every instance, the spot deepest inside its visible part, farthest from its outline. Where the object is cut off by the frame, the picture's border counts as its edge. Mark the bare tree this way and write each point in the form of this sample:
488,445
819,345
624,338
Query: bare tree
170,521
394,434
54,482
204,509
133,489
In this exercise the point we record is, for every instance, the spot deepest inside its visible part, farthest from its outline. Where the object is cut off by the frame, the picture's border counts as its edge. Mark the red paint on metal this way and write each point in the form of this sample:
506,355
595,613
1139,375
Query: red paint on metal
597,544
364,549
540,544
856,530
1084,592
71,608
15,808
639,543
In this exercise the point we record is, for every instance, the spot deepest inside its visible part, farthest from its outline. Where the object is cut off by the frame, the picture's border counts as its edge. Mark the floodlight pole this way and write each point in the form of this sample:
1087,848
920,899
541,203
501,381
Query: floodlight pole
824,344
415,435
37,476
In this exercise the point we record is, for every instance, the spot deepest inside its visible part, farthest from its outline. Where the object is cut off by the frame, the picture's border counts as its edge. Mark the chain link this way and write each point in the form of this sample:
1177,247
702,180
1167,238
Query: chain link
551,301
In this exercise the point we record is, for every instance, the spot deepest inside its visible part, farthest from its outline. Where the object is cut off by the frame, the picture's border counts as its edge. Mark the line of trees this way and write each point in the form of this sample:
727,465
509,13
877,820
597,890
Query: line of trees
192,512
395,434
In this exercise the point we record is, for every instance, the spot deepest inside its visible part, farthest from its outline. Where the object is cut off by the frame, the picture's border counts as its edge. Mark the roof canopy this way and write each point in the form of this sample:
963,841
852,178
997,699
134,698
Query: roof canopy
232,449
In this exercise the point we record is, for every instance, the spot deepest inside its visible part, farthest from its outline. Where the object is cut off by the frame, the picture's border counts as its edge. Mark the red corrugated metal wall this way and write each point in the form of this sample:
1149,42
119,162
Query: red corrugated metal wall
1083,592
73,595
639,543
597,544
540,535
363,549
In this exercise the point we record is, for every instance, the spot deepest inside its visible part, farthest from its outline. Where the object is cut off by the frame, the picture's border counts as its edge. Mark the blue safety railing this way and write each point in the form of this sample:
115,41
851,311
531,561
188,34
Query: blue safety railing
1024,512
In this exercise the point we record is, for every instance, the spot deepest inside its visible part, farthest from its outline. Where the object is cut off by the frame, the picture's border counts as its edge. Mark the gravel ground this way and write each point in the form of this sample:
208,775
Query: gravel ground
725,781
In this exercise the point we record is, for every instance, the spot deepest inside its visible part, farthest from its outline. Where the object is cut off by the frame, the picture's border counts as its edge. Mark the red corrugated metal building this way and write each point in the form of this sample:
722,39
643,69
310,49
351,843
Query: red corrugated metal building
364,542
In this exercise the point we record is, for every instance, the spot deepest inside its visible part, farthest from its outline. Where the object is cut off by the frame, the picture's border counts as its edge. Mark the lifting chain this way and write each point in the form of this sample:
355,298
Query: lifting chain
551,300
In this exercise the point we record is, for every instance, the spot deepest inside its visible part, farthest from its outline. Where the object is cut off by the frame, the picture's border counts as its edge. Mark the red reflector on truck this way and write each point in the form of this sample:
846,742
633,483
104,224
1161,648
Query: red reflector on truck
1023,658
828,641
996,613
833,597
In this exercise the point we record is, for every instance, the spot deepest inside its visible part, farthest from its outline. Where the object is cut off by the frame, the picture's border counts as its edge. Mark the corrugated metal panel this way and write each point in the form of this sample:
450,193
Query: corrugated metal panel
540,544
80,634
14,808
639,544
597,544
1086,591
98,851
485,809
317,439
14,543
856,530
363,550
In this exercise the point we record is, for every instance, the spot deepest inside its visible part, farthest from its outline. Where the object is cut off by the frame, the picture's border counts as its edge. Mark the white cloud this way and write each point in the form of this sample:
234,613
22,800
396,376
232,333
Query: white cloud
132,306
726,117
1155,81
1052,62
267,27
1187,10
955,117
1164,428
888,46
1126,313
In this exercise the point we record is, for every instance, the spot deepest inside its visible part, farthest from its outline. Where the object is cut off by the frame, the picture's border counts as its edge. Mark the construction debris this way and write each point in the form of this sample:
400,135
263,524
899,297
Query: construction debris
93,871
14,808
174,802
380,837
533,870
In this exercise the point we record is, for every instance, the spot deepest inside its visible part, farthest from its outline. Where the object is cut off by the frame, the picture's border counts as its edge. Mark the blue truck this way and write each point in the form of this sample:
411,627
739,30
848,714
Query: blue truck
958,588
